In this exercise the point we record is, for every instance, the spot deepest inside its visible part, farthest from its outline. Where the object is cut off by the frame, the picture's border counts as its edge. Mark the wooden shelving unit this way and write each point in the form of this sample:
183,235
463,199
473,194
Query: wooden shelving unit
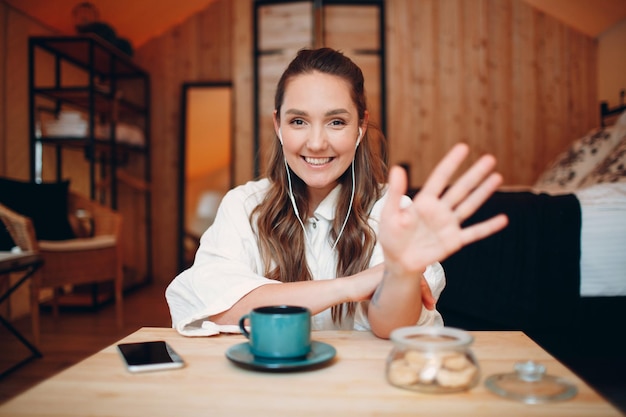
88,75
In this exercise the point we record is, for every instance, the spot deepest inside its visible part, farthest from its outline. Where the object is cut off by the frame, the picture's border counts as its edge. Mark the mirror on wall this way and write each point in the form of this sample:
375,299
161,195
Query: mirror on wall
206,150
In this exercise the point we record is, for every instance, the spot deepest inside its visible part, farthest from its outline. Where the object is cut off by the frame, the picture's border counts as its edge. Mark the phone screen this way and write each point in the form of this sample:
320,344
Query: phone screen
149,356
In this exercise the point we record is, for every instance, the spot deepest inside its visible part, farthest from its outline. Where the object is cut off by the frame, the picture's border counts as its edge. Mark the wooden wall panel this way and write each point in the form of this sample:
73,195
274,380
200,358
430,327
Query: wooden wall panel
356,32
350,28
3,64
15,128
451,88
549,92
199,49
499,112
18,29
525,88
411,67
242,68
285,27
499,75
474,102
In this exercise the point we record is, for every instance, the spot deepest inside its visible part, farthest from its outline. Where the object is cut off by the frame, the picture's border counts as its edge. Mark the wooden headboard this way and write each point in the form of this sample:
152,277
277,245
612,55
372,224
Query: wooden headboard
606,113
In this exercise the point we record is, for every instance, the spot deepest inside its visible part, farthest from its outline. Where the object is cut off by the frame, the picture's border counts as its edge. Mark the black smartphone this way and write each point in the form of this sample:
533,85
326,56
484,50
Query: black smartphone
149,356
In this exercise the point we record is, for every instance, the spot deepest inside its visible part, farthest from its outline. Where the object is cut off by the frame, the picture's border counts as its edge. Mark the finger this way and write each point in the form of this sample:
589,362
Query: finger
483,229
471,179
440,177
397,184
427,295
478,197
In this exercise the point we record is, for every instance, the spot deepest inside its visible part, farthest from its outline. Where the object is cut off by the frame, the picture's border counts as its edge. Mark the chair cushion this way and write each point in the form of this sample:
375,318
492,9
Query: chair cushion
44,203
72,245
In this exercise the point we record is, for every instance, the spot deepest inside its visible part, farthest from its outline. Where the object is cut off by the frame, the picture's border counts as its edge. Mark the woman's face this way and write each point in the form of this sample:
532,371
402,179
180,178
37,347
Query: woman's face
319,126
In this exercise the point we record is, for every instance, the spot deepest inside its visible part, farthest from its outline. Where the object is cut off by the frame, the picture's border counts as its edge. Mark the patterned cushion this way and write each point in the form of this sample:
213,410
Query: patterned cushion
571,167
612,169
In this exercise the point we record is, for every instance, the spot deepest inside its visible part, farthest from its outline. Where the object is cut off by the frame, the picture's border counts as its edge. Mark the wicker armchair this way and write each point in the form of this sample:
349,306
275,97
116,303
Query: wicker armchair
75,261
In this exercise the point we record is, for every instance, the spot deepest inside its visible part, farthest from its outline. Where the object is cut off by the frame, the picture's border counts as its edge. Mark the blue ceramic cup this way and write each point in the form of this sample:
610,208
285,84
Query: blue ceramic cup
278,332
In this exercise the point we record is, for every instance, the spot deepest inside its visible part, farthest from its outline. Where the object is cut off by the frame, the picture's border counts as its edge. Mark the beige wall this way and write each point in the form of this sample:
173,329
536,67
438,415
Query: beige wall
612,63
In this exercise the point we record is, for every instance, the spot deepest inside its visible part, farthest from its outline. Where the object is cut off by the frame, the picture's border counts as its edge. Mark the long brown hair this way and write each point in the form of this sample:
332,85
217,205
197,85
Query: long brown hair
281,238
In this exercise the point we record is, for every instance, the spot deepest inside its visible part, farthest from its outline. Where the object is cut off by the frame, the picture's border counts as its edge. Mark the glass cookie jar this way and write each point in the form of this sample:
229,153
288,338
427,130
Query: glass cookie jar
432,360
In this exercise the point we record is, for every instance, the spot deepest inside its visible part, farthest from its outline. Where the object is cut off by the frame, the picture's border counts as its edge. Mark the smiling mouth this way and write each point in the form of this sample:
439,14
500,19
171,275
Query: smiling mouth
317,161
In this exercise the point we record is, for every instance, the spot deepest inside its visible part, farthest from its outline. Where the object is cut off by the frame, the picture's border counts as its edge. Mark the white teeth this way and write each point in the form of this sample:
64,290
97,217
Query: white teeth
317,161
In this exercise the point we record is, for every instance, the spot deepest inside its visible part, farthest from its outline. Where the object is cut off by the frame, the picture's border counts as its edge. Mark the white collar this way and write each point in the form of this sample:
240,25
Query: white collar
326,209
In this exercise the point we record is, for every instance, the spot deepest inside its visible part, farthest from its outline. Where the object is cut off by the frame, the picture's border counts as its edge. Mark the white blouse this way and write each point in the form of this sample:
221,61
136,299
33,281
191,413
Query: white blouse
228,265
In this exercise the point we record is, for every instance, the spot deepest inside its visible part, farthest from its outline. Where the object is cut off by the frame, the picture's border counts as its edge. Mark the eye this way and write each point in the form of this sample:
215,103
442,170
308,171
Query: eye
337,123
297,122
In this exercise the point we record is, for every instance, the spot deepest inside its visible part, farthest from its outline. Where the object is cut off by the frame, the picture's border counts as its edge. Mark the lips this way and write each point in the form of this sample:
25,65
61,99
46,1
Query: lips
317,161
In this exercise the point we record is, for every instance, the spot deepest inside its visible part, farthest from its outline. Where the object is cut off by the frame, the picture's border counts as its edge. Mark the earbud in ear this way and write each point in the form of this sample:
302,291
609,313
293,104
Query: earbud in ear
280,137
358,139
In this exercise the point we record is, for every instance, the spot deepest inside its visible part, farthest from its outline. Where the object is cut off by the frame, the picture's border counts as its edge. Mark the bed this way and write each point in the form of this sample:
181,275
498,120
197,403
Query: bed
558,271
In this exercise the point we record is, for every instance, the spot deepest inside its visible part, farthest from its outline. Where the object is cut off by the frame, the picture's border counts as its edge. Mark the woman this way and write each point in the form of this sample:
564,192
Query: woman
323,212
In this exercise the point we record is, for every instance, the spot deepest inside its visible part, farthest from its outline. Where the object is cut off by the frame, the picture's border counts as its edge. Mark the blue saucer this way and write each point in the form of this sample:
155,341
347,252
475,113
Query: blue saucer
320,353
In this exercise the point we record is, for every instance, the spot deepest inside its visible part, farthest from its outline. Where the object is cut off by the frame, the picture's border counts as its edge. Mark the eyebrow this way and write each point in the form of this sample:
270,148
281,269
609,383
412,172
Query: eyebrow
328,113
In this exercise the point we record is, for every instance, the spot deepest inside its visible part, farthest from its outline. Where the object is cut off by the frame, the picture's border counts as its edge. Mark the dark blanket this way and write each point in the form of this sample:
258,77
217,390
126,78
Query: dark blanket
525,277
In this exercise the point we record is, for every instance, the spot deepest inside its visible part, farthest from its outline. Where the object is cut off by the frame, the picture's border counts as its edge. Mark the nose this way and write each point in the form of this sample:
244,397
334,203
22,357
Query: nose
317,140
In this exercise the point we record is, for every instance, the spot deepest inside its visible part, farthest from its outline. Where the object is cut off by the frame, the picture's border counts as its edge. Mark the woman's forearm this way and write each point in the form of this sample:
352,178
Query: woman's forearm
396,302
317,296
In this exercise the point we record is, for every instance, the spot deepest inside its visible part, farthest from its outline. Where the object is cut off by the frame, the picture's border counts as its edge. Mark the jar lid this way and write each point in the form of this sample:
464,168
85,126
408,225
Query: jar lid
431,337
530,384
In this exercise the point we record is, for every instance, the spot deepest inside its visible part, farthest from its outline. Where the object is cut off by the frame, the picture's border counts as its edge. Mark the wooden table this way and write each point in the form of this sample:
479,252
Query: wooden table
353,384
27,263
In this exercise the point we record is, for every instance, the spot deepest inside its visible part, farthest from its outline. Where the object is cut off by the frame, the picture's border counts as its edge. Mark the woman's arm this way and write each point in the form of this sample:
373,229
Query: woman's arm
427,231
317,295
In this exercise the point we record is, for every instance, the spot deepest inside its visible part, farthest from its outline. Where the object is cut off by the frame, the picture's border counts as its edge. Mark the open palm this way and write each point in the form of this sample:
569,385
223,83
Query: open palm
429,230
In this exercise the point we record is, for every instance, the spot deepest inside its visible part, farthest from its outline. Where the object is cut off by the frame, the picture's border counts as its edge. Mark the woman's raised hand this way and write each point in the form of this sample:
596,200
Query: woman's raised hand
429,230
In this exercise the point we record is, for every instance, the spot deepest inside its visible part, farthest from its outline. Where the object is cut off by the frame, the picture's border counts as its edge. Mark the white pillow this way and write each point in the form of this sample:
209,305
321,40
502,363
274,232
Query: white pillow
603,240
572,166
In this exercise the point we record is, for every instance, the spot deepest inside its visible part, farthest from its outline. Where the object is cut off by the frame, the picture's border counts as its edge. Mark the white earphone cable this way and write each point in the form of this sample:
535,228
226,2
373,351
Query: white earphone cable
293,201
343,226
